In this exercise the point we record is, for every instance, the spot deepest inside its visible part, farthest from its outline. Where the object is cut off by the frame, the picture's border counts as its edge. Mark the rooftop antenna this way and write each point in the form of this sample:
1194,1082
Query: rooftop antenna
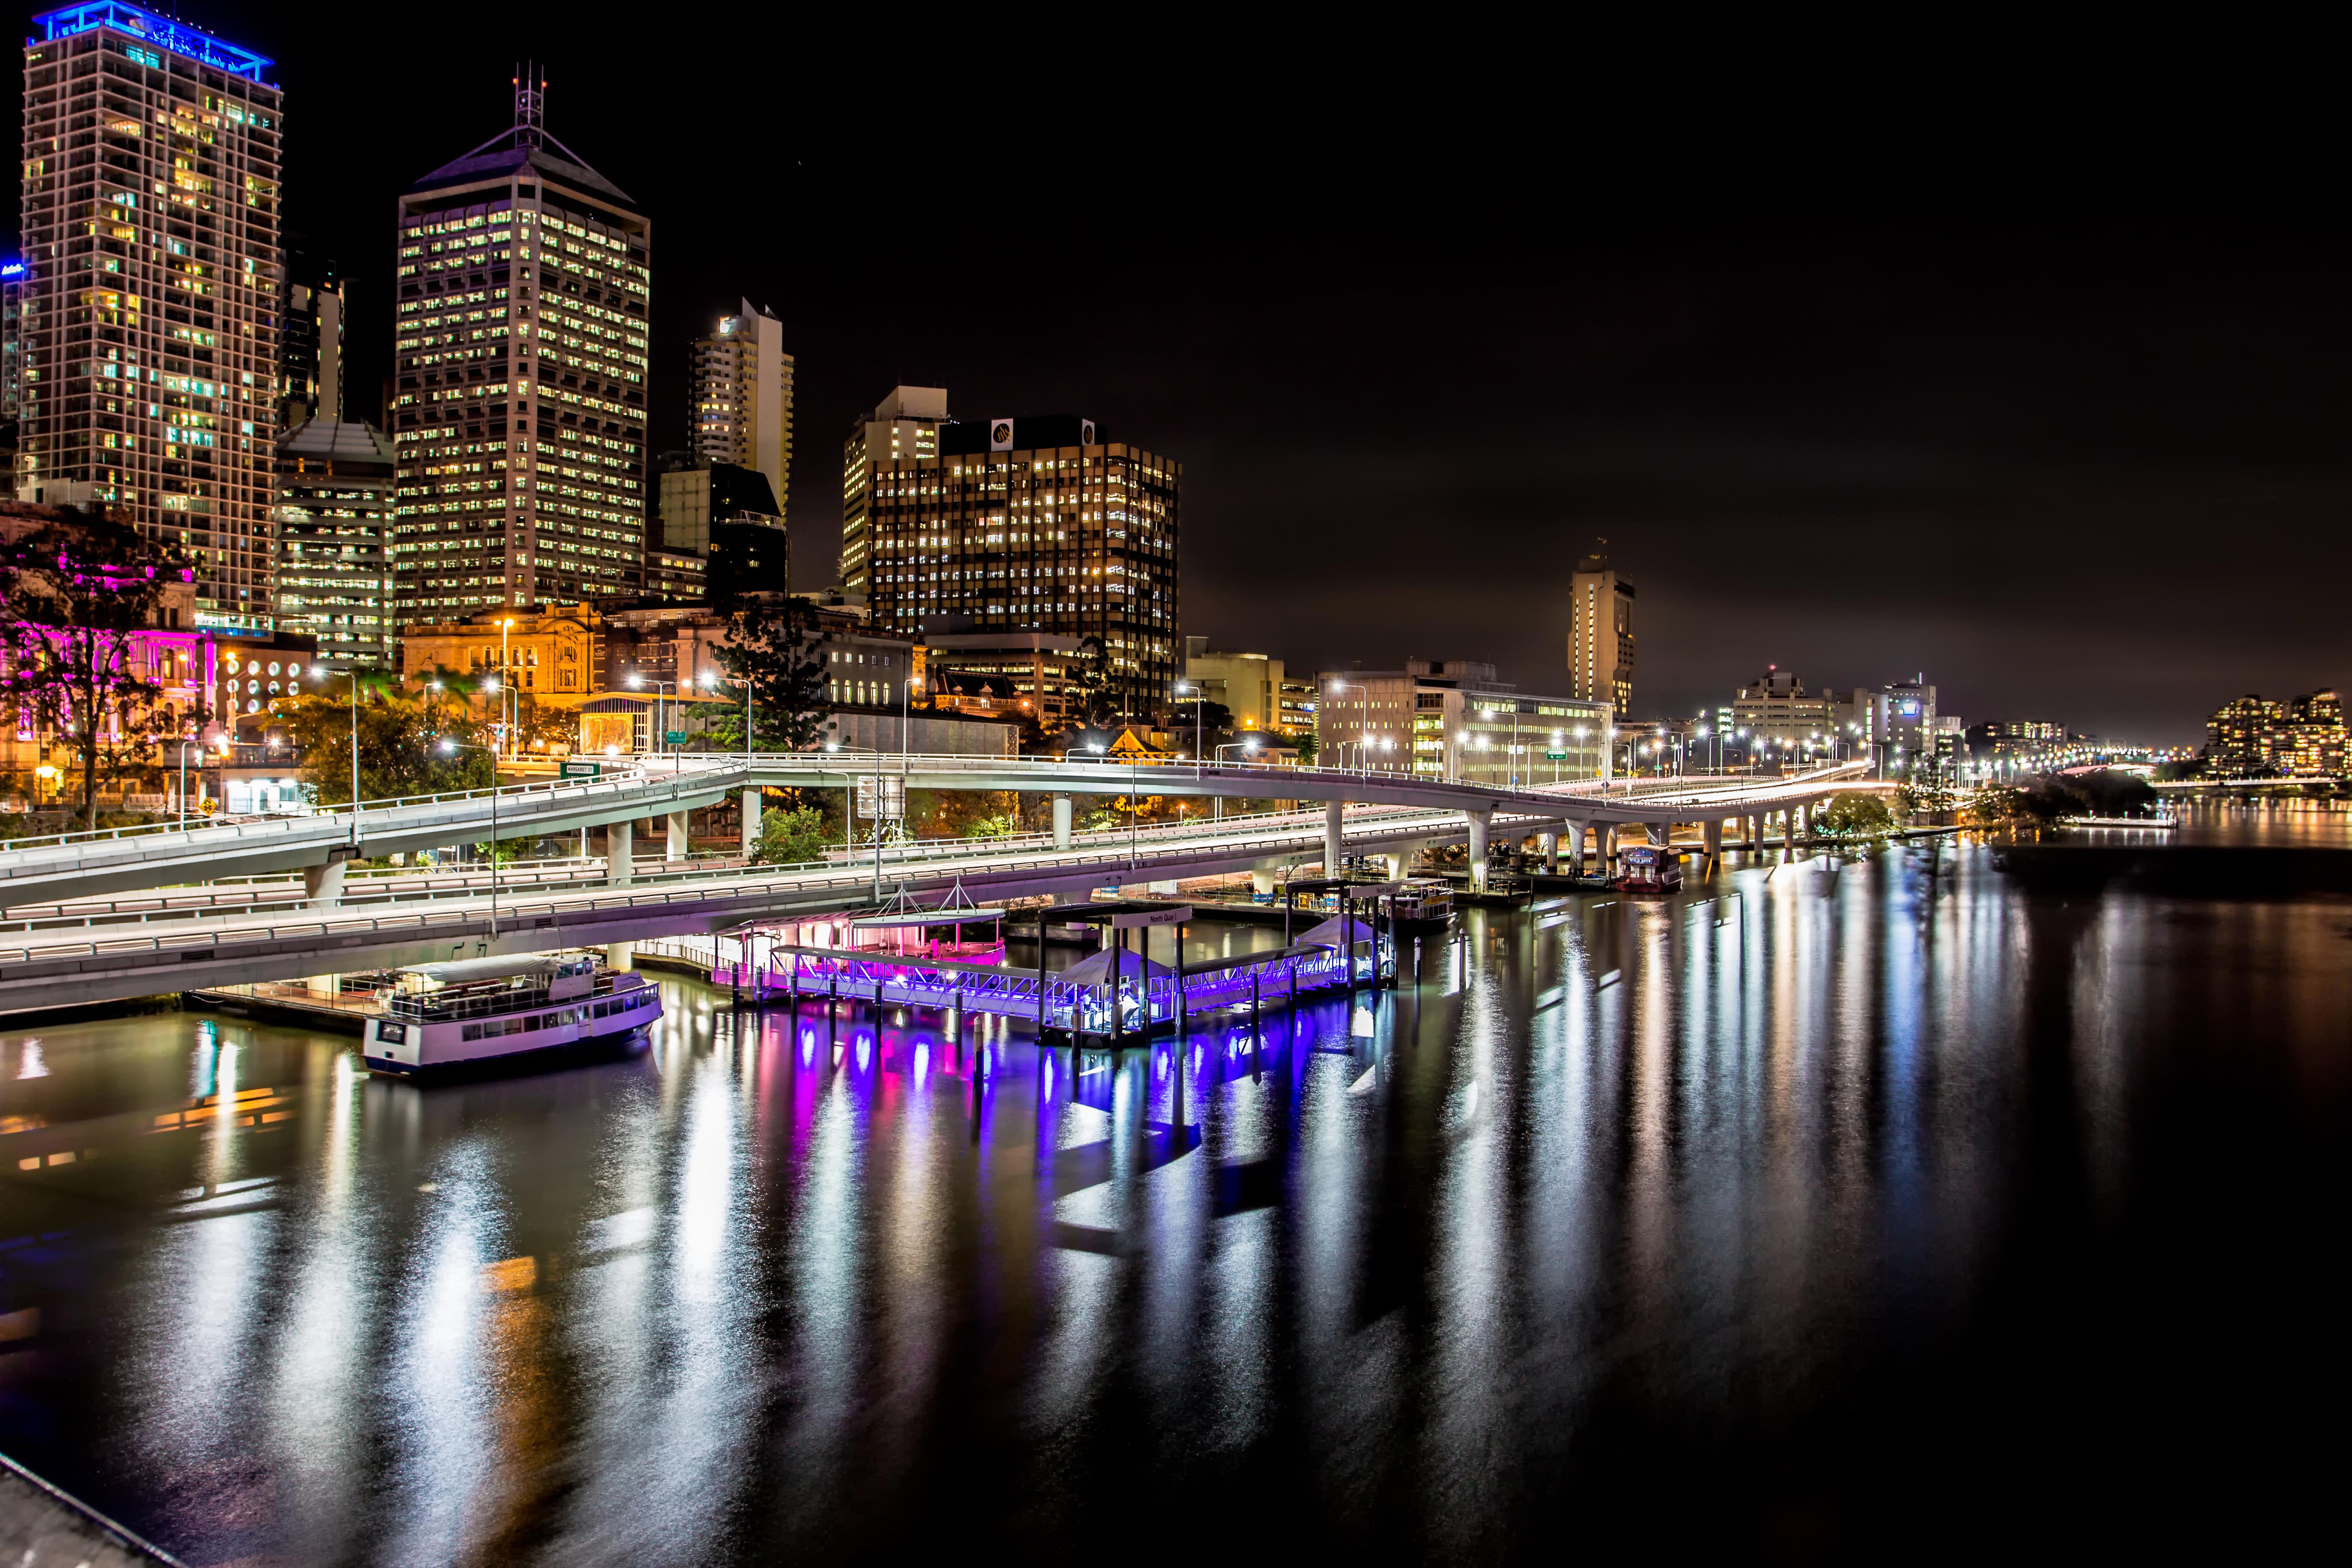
530,105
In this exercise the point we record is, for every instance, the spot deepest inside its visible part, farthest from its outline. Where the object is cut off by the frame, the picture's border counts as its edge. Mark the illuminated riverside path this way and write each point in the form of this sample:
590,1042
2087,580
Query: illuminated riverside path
1832,1203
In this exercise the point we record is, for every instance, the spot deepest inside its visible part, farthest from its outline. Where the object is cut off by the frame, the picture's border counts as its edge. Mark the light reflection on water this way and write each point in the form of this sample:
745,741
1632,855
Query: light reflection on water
1760,1205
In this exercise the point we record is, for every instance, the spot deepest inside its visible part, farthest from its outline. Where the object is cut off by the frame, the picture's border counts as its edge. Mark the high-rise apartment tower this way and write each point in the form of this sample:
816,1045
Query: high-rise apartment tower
520,410
905,425
147,333
1601,635
743,399
1035,524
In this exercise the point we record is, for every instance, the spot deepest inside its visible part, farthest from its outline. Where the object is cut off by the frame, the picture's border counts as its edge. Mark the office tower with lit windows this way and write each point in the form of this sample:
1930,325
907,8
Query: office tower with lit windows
742,412
1601,635
1035,524
903,425
518,412
149,325
334,512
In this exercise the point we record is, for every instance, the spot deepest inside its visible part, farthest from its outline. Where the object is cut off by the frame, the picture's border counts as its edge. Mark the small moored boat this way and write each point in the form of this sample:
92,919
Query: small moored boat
478,1010
1650,869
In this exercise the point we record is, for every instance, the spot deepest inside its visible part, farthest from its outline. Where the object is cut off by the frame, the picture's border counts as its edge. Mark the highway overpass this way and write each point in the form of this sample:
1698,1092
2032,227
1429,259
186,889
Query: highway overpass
102,948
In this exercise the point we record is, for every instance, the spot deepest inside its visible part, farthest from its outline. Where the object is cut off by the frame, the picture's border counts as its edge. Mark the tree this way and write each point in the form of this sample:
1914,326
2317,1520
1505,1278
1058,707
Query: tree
774,644
75,593
400,752
1855,815
543,728
790,837
1096,708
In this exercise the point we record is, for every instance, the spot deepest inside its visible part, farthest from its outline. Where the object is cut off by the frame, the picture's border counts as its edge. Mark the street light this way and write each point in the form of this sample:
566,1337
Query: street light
638,682
320,672
506,661
1182,687
453,747
850,811
184,744
1246,748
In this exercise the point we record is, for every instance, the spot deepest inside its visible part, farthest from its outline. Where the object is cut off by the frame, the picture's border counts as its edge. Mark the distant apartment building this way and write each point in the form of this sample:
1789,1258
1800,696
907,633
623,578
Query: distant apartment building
1778,713
1894,725
1034,524
742,408
519,409
147,326
1247,685
1455,720
2252,736
2013,739
904,427
1601,635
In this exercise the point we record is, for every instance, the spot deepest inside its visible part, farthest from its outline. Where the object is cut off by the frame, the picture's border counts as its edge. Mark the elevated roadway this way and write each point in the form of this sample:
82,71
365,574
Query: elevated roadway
82,866
76,952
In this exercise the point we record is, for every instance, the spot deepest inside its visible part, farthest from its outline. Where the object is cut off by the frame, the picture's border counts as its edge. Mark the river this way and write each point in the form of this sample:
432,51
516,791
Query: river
1872,1203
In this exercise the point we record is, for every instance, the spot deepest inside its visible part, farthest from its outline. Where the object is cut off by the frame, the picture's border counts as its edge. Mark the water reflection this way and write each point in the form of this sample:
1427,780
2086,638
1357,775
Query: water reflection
1615,1207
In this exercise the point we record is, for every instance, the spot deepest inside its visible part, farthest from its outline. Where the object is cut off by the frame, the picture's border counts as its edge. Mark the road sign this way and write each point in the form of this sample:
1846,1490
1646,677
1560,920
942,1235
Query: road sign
1180,915
579,770
1555,756
674,737
894,797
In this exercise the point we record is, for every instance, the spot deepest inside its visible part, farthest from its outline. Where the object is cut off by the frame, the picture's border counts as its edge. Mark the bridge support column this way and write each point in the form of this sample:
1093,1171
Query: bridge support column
1061,822
673,847
1788,834
619,857
1551,853
751,820
1478,820
1334,813
1264,882
621,955
323,885
1576,849
1714,841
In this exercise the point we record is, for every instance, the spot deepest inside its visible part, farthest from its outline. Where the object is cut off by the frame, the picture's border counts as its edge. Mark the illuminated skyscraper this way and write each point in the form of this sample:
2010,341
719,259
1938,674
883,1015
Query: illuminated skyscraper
1035,524
903,425
1601,635
147,333
743,399
518,412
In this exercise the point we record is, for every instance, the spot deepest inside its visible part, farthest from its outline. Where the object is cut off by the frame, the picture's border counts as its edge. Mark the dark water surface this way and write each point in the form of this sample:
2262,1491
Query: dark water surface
1863,1209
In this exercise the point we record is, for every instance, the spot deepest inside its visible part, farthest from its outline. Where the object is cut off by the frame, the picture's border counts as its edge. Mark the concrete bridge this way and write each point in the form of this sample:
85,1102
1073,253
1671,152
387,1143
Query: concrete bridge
81,866
102,947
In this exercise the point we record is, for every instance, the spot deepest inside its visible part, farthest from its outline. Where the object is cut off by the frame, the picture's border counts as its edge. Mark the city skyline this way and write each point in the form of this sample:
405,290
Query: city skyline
1980,449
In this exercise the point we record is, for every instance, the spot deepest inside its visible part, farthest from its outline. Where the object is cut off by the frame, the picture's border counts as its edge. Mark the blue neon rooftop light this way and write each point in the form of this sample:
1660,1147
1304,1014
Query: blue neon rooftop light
177,36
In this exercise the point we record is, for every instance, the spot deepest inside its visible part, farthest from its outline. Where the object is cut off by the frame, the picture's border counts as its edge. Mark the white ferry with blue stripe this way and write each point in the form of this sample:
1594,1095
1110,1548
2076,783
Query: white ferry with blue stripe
476,1011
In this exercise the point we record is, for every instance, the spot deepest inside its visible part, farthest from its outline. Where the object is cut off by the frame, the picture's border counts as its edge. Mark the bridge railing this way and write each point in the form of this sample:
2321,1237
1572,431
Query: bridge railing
306,824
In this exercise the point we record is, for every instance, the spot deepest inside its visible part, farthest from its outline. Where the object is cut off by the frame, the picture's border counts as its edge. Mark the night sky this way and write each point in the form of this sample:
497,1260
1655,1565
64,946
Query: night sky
2059,419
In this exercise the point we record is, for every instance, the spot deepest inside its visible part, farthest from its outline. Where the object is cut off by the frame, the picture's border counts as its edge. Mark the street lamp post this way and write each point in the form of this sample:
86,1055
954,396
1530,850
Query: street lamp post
184,744
638,682
453,747
319,672
506,663
1248,748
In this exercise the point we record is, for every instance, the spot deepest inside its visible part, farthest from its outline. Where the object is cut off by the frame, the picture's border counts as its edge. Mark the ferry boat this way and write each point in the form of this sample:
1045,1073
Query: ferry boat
1422,905
1650,869
478,1010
